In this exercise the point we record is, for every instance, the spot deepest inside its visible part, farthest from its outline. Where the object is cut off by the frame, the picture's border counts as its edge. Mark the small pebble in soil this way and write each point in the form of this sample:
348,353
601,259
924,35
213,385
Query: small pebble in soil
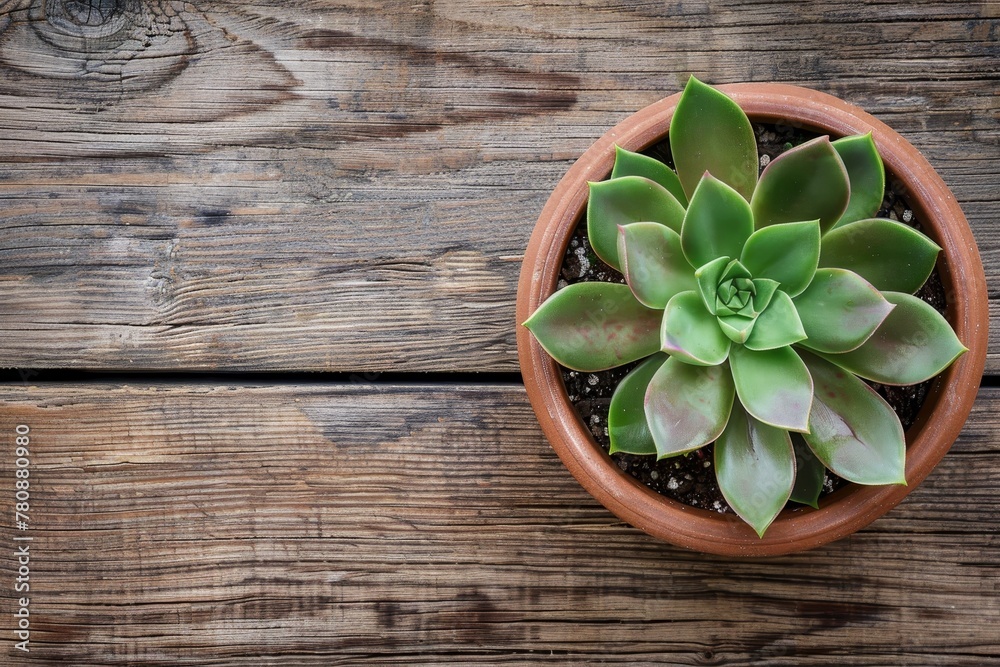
584,263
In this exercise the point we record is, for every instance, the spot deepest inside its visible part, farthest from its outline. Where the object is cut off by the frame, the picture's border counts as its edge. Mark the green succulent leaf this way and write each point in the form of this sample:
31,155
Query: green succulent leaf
734,270
787,253
810,474
708,278
840,310
808,182
755,467
773,385
866,175
737,327
888,254
595,326
913,344
852,430
691,333
653,263
765,290
622,201
717,223
779,325
709,132
627,416
628,163
687,406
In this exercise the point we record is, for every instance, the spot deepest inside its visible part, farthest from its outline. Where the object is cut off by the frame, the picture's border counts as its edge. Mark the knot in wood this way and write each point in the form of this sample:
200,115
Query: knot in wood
92,19
98,52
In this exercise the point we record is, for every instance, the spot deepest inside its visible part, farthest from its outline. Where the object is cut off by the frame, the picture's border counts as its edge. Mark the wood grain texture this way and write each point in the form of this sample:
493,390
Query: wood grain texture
361,524
349,186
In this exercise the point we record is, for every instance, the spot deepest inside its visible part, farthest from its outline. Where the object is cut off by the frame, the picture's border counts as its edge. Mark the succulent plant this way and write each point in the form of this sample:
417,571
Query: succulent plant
758,306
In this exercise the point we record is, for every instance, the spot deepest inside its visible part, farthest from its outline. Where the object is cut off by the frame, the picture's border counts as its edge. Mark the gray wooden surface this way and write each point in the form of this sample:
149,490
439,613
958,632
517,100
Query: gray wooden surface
349,187
304,185
364,524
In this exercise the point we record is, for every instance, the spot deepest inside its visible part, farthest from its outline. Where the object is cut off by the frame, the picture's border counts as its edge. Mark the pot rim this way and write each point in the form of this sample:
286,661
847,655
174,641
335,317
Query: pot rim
944,412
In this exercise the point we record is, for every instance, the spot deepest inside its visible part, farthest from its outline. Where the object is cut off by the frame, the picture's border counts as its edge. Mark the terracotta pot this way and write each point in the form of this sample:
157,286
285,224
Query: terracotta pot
849,509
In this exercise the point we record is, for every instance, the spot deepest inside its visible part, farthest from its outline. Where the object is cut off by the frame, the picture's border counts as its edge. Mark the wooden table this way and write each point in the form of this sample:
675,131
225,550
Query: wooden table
257,278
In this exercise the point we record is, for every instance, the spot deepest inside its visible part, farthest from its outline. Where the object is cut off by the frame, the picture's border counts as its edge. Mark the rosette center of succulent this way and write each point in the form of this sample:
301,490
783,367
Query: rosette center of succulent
731,293
735,296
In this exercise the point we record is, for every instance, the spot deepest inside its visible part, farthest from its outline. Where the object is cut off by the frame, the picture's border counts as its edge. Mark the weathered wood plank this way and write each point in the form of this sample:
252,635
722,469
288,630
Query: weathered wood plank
360,524
307,185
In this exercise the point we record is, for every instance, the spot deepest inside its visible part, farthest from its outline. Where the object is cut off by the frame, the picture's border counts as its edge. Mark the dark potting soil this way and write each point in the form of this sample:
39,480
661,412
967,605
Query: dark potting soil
690,479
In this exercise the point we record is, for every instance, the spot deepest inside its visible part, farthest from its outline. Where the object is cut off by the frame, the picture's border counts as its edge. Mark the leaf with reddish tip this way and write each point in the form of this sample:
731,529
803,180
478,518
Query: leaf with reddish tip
687,406
627,416
787,253
595,326
810,474
865,174
852,430
888,254
622,201
779,325
628,163
755,467
653,263
808,182
773,385
709,132
717,223
913,344
840,310
691,333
